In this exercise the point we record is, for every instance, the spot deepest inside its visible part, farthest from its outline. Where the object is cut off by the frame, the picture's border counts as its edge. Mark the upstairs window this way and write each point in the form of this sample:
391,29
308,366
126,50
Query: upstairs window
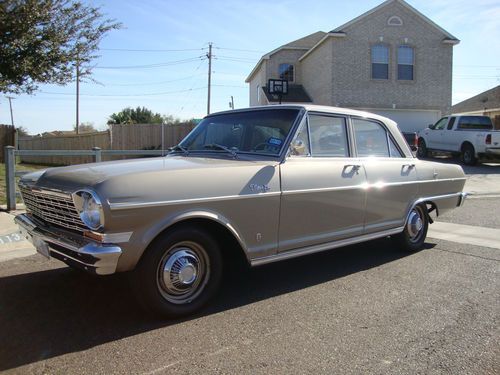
286,72
380,62
406,60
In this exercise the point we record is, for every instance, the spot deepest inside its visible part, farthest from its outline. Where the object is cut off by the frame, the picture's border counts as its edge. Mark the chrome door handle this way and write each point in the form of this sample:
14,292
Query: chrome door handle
354,167
409,166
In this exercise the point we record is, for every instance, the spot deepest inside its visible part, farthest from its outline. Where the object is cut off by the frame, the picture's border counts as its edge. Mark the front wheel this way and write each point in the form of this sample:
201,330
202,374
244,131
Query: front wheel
180,271
422,149
413,236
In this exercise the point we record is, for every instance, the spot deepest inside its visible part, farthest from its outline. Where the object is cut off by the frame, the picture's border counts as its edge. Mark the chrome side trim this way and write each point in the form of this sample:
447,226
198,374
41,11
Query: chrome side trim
129,205
322,247
439,197
366,186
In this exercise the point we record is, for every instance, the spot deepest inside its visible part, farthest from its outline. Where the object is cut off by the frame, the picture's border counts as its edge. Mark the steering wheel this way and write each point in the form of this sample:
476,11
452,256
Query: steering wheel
265,146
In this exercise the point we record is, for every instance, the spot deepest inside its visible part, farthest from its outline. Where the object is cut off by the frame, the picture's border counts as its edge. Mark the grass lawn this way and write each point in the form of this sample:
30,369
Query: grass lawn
19,167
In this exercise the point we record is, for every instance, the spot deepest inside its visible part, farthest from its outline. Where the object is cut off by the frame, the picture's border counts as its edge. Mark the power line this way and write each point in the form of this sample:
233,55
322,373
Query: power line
152,83
157,65
239,50
151,50
126,95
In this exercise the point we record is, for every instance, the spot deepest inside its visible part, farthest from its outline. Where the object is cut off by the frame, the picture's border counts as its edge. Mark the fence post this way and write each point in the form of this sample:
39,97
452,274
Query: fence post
10,179
97,154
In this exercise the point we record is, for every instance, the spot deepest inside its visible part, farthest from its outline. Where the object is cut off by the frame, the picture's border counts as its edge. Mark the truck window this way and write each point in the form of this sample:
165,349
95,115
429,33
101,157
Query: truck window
475,123
441,124
451,123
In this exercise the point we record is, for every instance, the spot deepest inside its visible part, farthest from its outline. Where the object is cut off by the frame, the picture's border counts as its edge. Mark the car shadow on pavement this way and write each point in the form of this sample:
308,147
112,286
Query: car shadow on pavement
54,312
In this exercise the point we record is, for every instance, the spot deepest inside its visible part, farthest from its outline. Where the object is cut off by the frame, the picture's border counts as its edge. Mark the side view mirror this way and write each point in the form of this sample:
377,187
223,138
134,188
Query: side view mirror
431,126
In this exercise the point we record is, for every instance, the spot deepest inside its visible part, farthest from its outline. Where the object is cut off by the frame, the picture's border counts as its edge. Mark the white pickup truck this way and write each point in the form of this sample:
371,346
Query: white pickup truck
470,137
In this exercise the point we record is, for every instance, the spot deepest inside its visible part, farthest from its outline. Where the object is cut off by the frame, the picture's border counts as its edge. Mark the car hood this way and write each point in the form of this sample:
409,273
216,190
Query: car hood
156,179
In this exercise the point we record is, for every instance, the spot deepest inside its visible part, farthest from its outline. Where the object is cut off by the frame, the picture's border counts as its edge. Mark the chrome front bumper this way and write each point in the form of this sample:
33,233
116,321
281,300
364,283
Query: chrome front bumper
75,250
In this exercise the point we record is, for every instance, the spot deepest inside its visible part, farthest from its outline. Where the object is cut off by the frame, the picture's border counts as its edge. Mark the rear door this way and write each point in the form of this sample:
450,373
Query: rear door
391,177
323,192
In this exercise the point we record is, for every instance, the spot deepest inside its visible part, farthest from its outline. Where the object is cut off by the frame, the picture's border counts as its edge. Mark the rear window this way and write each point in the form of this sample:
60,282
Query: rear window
475,123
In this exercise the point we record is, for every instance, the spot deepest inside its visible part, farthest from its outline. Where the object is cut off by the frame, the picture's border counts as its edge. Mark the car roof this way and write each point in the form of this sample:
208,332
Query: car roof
314,108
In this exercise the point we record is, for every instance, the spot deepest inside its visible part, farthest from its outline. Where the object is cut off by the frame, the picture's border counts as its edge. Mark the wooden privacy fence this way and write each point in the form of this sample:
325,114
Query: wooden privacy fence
65,142
118,137
7,138
147,136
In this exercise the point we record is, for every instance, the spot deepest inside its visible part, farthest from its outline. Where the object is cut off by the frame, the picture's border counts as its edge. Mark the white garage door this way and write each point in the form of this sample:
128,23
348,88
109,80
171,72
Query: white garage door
410,120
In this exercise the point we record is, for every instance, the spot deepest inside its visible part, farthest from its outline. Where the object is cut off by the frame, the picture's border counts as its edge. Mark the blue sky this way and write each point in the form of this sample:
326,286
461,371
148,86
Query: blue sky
241,31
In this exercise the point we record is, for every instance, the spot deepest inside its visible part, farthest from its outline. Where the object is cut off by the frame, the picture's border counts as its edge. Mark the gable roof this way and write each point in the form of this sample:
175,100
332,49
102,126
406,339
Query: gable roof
304,43
447,35
489,99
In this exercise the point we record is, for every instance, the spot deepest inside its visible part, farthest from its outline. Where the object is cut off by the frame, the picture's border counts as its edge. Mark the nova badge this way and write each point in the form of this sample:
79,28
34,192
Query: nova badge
259,188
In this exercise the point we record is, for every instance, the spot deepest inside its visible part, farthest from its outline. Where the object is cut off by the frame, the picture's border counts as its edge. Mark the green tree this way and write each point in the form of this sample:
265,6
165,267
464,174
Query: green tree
22,131
43,41
85,127
136,116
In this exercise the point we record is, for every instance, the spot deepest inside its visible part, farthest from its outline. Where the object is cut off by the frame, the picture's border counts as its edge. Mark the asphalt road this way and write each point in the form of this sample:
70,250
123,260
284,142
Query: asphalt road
362,309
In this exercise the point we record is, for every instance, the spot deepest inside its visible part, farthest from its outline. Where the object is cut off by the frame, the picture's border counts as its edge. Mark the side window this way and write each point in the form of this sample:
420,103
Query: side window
300,145
451,123
395,153
371,139
441,124
286,72
328,136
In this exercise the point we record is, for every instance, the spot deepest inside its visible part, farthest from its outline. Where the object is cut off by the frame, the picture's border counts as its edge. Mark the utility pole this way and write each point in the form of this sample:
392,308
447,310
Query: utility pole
209,56
77,95
11,113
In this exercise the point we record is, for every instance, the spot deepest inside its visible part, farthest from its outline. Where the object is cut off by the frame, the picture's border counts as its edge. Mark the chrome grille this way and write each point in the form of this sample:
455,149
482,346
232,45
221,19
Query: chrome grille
55,208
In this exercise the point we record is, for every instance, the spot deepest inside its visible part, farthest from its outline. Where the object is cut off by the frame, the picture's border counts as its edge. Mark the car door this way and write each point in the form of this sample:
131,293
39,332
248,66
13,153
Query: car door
450,137
434,136
391,177
323,194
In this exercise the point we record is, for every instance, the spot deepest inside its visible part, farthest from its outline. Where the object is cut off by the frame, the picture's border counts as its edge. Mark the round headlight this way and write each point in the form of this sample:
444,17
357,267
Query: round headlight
89,207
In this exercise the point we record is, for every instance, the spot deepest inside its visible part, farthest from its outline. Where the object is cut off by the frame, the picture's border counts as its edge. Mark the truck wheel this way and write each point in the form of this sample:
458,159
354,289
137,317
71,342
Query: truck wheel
413,236
468,155
422,149
179,272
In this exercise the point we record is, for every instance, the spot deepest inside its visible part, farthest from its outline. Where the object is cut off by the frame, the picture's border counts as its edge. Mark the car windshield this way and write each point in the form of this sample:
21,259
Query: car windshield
258,132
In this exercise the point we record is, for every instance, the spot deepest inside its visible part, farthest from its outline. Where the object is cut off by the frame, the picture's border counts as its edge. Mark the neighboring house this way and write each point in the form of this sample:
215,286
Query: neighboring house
392,60
486,103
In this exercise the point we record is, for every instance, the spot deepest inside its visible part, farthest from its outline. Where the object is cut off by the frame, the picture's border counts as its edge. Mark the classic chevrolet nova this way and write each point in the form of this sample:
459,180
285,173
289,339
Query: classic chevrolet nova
267,183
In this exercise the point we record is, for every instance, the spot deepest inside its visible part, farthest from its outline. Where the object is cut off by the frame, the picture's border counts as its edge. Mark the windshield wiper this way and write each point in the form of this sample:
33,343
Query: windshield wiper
221,147
179,147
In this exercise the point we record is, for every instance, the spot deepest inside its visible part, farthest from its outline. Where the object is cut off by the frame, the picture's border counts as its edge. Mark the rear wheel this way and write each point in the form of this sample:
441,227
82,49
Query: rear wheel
179,273
413,236
422,149
468,155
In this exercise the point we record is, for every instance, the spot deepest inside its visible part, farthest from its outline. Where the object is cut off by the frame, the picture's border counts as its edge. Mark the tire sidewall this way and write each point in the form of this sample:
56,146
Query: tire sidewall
404,238
144,277
471,159
422,148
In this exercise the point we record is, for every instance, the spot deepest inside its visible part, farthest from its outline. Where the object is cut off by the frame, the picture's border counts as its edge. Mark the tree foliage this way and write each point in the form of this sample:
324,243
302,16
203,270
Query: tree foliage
86,127
139,115
42,41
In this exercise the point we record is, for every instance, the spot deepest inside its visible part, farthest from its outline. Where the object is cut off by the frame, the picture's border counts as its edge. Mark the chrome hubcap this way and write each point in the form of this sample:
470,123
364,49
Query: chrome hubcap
415,224
183,272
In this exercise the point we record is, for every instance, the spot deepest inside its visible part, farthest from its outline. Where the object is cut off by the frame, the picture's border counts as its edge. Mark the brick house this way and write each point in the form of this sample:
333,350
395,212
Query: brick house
391,60
487,103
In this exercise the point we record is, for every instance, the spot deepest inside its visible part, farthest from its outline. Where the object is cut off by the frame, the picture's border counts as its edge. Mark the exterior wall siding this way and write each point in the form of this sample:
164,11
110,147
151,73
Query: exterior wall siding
317,74
285,56
258,80
352,84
